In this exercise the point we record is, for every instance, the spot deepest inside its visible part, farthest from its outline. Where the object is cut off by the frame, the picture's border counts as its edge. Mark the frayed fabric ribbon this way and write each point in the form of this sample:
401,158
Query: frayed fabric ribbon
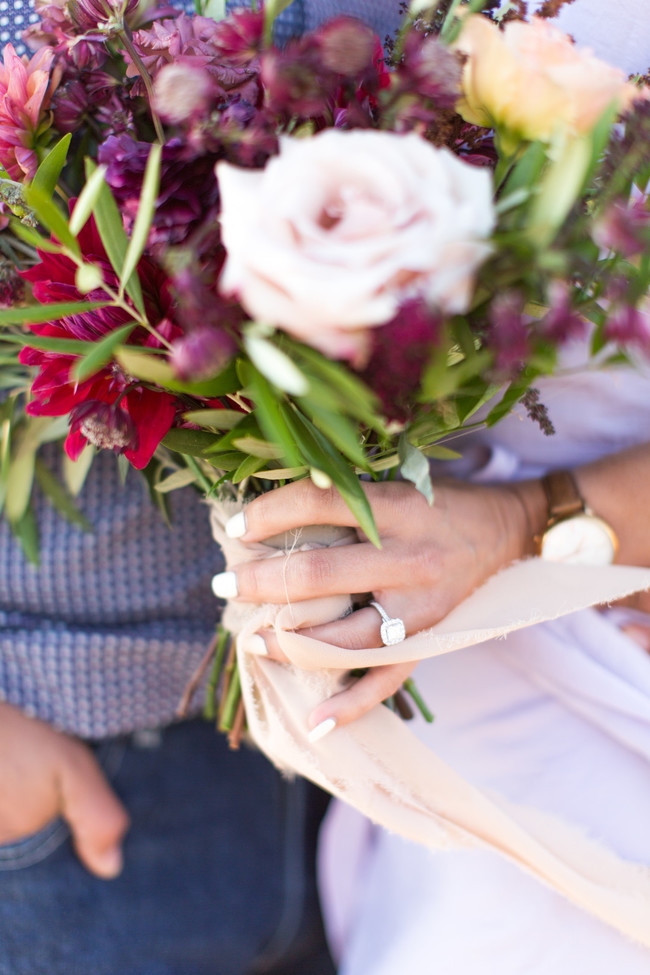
377,764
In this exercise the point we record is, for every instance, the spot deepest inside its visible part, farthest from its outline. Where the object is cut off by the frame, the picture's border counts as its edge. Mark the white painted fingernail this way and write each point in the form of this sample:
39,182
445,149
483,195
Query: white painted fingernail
256,644
322,729
236,526
224,585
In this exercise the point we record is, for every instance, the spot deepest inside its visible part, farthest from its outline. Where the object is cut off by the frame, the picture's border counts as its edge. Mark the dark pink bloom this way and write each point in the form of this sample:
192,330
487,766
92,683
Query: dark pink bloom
201,353
562,322
89,15
188,186
508,334
400,352
25,90
627,325
95,405
238,37
624,228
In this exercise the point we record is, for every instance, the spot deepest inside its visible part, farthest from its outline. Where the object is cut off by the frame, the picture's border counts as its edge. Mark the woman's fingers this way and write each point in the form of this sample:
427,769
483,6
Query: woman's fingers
350,704
357,631
306,575
302,503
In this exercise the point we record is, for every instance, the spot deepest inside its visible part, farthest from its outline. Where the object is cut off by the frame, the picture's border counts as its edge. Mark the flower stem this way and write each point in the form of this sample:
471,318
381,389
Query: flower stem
146,78
412,691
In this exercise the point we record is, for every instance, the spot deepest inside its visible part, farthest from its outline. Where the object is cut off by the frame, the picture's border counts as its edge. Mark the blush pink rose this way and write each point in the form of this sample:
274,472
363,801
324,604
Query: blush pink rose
339,229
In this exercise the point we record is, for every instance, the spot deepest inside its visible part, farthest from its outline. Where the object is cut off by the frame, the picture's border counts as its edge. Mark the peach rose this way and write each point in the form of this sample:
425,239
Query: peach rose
529,80
340,228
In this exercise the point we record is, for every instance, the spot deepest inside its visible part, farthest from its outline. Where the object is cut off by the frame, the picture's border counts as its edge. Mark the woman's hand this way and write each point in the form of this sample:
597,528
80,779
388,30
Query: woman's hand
431,559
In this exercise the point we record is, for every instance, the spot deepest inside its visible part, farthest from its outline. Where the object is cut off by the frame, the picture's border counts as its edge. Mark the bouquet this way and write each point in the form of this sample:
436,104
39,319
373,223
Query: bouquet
236,265
325,261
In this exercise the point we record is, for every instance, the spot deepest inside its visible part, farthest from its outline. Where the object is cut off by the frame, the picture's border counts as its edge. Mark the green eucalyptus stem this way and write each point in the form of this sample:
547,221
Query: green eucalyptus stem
210,706
232,699
195,467
411,689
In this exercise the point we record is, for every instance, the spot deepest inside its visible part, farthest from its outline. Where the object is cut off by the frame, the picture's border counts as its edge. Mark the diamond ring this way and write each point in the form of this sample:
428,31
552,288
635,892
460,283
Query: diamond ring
392,630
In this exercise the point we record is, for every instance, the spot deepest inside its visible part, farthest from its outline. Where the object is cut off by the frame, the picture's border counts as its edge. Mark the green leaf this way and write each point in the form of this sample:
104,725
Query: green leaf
511,397
26,531
359,399
275,365
144,217
20,480
47,174
439,452
526,171
248,467
320,454
123,467
414,467
217,419
258,448
179,479
87,199
51,217
102,352
156,369
271,418
339,431
59,496
76,471
215,9
196,443
37,314
111,230
273,9
34,239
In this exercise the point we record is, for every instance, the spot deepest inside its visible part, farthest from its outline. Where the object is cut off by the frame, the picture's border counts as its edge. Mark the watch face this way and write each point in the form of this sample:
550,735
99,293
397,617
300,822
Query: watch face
581,540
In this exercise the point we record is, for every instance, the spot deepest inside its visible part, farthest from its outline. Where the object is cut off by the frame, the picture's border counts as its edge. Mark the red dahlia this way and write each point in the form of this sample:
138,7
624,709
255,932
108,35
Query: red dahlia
110,408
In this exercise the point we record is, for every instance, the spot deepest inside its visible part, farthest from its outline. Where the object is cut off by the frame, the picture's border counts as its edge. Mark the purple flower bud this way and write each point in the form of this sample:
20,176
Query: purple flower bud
201,353
12,288
89,15
624,228
182,91
627,325
105,425
562,322
400,351
508,335
347,46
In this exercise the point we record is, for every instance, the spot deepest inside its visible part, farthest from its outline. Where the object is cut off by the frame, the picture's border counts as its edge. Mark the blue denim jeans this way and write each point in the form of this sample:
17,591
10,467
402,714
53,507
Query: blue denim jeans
218,876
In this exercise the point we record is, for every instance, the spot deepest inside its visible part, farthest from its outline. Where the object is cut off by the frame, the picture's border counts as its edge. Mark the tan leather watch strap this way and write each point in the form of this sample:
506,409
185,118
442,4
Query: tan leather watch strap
564,498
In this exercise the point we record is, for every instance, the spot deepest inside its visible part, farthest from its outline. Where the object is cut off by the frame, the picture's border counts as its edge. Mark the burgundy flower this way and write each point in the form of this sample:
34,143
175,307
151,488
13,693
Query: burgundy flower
105,425
330,71
425,84
11,286
562,322
193,41
148,414
188,186
238,37
508,333
91,15
201,353
627,325
624,228
400,351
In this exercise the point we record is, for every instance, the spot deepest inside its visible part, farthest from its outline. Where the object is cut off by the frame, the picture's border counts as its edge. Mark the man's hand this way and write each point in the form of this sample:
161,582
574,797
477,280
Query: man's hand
45,774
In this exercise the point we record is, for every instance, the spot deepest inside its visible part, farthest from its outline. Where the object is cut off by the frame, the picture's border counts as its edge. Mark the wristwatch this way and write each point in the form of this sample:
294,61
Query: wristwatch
573,532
